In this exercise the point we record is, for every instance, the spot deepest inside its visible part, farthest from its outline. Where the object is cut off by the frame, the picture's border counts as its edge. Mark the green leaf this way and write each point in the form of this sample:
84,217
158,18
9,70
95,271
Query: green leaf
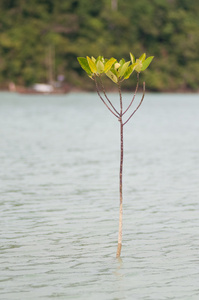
132,58
92,65
114,71
123,68
101,58
138,65
122,61
146,63
142,57
129,71
109,64
91,77
112,76
84,64
93,59
100,66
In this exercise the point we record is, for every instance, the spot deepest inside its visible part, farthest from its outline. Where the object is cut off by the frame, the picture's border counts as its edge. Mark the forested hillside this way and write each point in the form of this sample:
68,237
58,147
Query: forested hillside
36,34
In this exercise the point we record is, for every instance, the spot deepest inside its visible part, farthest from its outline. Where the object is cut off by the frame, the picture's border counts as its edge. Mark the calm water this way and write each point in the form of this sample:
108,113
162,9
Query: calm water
59,198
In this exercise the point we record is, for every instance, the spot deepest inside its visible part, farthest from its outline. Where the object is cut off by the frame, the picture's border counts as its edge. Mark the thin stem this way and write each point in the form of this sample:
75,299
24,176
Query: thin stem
98,91
134,94
120,94
119,247
138,104
103,89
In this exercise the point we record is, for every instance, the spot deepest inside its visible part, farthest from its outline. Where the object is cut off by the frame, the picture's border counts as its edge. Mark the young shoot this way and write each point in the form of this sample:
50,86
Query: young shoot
117,71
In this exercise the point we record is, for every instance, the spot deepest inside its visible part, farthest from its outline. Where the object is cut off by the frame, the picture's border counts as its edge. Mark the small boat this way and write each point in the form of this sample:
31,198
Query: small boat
40,88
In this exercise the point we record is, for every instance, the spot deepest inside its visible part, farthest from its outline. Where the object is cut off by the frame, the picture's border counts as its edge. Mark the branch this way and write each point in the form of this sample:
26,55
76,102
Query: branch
103,89
121,107
134,95
98,91
138,104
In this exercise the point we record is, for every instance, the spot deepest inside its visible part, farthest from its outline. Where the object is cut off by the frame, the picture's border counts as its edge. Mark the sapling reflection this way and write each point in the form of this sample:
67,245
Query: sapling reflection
117,72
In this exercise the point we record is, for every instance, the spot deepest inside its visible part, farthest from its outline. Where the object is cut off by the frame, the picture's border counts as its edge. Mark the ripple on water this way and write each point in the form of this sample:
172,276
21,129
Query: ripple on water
59,200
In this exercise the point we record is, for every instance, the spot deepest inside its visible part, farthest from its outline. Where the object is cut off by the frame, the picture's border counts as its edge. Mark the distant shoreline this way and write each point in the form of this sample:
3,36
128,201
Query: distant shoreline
74,89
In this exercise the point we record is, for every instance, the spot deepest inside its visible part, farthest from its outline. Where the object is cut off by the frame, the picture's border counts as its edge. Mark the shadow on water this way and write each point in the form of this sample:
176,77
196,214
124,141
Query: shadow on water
119,269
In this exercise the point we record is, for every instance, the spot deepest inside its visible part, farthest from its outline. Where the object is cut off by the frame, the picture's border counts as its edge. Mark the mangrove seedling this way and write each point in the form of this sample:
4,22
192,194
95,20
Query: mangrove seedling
117,72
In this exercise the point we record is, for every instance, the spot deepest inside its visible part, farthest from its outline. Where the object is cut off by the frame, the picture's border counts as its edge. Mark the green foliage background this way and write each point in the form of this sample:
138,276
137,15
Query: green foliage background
167,29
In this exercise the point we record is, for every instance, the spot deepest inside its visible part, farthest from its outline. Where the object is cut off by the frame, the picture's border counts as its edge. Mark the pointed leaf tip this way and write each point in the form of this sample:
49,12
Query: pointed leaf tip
142,57
146,63
132,58
123,68
109,64
91,65
84,64
129,71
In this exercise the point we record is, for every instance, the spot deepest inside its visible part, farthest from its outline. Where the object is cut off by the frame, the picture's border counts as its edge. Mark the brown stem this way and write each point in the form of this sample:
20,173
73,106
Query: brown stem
98,91
133,95
138,104
103,89
119,247
119,117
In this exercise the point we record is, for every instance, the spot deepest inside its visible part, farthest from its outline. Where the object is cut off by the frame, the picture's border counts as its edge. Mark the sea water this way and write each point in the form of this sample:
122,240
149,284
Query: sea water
59,198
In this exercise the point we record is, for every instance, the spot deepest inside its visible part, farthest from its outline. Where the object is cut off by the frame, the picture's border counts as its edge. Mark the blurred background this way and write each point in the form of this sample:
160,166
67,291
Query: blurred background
59,154
41,39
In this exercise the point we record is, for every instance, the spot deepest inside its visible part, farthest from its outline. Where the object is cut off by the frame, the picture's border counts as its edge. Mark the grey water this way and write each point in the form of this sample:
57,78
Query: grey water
59,198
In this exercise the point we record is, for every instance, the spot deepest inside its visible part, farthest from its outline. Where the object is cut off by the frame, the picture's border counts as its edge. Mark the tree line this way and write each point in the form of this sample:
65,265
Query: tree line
41,35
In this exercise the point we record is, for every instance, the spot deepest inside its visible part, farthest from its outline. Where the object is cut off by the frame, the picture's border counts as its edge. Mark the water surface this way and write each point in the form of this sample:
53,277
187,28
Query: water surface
59,198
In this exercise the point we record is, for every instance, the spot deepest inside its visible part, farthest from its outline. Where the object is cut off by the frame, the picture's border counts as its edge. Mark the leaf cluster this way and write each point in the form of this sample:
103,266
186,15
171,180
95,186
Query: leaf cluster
116,71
